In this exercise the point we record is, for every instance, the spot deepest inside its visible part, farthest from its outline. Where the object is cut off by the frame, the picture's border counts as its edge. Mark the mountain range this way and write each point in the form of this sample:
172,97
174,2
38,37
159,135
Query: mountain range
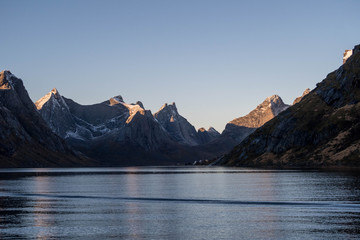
119,133
115,133
319,128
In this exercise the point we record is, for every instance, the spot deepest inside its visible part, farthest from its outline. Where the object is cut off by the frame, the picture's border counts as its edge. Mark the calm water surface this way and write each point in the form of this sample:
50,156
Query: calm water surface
178,203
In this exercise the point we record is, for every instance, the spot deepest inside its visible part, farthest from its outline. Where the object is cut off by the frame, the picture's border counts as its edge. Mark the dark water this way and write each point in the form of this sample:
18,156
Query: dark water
178,203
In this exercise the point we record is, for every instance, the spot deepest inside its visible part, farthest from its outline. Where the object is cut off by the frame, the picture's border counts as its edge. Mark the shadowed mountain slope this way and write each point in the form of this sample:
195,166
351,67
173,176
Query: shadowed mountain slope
321,130
26,140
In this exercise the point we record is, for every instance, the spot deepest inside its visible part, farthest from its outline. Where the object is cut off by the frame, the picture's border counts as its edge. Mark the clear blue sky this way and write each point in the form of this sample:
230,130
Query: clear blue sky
216,59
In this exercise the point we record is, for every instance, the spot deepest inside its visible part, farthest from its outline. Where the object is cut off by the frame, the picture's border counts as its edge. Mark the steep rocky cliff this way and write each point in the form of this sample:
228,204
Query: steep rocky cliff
322,130
25,138
176,125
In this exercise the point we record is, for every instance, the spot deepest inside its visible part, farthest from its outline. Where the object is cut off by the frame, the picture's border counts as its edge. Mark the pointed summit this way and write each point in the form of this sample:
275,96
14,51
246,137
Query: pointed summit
53,96
54,91
53,106
264,112
176,125
274,98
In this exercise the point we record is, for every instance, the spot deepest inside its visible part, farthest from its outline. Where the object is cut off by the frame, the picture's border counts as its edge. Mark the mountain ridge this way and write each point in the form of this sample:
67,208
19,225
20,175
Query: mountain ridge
323,129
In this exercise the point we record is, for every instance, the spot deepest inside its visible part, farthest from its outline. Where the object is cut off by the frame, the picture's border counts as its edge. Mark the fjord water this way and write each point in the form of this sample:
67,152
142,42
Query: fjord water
178,203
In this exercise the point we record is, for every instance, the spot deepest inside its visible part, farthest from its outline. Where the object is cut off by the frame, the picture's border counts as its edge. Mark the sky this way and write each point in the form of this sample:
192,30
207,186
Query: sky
216,59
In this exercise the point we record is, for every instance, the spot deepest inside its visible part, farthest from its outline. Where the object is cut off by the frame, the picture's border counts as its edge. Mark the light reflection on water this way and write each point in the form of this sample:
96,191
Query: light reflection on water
178,203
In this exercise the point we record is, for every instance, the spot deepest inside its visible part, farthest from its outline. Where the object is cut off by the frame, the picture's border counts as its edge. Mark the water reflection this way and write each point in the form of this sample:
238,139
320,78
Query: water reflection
223,205
132,208
43,219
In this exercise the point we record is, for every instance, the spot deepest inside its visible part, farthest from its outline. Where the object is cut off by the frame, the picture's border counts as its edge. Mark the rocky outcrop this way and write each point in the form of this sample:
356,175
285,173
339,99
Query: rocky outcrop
25,138
322,130
347,54
298,99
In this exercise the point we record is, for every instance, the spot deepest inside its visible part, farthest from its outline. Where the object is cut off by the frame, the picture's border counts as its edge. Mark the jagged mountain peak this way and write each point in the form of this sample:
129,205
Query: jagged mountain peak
55,91
265,111
53,96
275,103
169,112
116,100
170,107
274,98
176,125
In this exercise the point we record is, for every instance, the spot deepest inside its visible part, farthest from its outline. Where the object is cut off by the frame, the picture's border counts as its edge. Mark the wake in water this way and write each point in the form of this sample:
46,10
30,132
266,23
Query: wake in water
184,200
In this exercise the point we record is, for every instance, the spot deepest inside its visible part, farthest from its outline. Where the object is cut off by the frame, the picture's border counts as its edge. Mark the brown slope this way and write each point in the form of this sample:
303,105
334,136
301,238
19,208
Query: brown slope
322,130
